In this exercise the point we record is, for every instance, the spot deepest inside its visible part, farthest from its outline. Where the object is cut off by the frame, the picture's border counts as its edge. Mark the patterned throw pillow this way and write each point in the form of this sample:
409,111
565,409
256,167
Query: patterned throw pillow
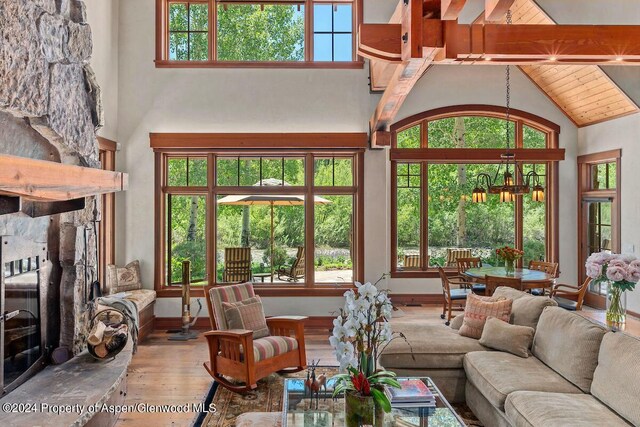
478,309
122,279
247,314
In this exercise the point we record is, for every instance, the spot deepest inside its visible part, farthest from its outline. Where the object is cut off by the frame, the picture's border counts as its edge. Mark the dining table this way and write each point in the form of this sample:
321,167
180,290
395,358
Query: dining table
531,279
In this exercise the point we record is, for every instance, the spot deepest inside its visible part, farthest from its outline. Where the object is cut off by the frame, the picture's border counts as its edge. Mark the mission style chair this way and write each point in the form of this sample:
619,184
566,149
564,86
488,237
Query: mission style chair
235,355
237,265
294,272
472,262
570,297
457,297
551,268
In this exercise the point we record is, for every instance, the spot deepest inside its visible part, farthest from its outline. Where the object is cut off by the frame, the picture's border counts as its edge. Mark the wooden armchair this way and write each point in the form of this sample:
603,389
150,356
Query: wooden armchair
237,265
570,297
472,262
294,272
237,355
451,296
494,282
551,268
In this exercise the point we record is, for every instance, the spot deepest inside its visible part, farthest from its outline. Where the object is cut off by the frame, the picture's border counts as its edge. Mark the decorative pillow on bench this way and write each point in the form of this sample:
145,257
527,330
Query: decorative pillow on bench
502,336
247,314
478,309
122,279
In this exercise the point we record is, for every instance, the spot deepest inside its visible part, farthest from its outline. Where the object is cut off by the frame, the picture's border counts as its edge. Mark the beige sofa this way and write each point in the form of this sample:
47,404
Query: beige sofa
579,373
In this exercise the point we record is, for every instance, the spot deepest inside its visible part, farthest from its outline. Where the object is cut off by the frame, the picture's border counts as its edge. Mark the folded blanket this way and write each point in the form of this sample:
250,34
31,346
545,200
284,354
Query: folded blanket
127,307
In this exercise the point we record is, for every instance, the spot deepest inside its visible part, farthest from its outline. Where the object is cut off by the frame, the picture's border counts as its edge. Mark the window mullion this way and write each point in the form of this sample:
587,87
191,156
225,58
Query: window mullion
213,29
424,216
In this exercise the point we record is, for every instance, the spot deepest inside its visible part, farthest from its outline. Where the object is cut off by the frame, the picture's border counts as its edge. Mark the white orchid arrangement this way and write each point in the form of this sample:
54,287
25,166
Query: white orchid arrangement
360,333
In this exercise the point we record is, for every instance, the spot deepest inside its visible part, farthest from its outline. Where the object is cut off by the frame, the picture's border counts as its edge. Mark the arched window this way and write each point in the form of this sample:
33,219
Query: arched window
436,159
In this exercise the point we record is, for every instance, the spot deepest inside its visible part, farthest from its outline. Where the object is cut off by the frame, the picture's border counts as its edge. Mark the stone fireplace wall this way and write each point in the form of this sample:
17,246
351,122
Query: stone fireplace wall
50,109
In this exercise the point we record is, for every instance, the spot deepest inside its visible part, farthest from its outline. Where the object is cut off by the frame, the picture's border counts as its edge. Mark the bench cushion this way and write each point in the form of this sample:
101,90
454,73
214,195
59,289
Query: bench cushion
616,380
434,347
141,297
569,344
497,374
537,409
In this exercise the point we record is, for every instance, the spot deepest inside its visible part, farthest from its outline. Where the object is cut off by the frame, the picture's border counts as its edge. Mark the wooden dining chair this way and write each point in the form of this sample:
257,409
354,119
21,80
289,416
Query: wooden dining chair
472,262
451,296
551,268
237,360
493,282
570,297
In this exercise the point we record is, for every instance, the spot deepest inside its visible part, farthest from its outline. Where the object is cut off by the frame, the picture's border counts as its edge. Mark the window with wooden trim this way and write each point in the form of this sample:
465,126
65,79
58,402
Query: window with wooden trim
436,157
106,226
284,220
257,33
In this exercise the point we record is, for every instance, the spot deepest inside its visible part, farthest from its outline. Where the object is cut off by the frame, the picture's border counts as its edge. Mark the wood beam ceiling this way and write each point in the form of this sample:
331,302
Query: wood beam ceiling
561,60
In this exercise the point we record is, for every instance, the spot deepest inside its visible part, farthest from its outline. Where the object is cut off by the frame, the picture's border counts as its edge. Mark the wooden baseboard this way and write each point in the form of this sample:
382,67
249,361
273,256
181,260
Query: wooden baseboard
203,323
415,299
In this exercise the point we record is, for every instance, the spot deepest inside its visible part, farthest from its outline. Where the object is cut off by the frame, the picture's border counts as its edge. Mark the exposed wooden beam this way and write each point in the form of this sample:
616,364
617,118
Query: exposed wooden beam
380,41
49,181
494,10
526,44
258,141
450,9
380,138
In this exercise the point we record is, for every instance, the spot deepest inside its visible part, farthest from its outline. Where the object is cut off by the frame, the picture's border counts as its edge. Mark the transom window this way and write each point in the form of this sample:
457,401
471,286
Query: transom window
279,219
207,32
435,159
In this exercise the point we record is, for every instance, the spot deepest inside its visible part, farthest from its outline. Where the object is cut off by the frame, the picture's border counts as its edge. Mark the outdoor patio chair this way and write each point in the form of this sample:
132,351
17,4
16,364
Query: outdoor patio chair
295,271
411,261
237,360
237,265
454,254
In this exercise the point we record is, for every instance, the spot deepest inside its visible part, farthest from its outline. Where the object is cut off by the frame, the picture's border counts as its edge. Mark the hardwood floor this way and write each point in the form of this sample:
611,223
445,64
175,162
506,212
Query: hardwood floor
170,373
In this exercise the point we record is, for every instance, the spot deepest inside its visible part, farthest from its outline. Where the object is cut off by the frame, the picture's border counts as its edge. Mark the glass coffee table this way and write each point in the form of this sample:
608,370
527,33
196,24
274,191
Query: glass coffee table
300,410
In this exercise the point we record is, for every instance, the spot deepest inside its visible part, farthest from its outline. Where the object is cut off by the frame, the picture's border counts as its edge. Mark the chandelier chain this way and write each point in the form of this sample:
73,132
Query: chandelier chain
508,84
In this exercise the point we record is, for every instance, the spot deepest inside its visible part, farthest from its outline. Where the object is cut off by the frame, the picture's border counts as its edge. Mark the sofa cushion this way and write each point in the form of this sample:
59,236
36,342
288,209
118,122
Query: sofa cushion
456,322
496,374
569,344
526,311
509,293
538,409
434,347
478,309
500,335
616,380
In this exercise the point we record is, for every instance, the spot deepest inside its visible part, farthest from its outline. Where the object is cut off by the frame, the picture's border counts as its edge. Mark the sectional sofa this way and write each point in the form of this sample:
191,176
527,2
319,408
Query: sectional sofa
578,374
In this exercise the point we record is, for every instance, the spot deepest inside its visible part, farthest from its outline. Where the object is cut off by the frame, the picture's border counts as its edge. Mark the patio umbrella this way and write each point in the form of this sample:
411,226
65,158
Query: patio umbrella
271,200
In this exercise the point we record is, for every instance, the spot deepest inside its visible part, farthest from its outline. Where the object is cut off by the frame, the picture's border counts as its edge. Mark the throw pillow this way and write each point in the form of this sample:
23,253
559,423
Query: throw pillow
478,309
456,322
122,279
526,311
502,336
247,314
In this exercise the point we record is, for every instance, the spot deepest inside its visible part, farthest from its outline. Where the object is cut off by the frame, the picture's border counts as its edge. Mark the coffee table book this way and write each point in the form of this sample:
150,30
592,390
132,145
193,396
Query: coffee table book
414,393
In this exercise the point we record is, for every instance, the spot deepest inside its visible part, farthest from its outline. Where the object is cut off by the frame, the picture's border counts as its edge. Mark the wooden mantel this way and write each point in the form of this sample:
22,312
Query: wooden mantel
40,187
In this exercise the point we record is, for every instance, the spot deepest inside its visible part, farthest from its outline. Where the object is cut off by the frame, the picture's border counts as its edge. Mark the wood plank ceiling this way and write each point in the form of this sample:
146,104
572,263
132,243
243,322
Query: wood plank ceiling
584,92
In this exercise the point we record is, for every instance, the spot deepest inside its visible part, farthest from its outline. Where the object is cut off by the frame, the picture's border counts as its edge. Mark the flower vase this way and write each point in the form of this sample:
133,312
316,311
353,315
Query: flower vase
510,266
362,411
616,314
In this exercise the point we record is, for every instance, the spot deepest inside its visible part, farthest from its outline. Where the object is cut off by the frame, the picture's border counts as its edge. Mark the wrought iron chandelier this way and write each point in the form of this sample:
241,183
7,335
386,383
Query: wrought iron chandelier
514,181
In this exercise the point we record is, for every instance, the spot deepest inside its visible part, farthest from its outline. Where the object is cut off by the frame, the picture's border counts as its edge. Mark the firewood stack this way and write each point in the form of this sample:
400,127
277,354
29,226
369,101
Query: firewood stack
107,339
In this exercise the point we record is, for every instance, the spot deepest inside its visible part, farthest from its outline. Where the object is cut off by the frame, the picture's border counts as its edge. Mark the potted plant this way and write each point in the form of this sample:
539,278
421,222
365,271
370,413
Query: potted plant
509,255
620,273
360,333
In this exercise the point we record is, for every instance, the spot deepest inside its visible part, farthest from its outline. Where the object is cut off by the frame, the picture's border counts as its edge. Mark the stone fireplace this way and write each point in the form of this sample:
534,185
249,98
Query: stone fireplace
50,110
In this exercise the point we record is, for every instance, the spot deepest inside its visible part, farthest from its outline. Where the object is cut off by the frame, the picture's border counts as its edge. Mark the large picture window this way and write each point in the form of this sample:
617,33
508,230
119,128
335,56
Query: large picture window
436,159
293,33
282,220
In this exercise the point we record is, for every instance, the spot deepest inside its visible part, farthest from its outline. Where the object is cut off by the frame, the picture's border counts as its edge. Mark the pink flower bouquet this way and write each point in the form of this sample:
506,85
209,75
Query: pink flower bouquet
623,271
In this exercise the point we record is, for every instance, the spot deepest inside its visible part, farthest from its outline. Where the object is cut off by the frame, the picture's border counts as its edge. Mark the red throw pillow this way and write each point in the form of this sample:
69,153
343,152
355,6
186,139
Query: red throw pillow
478,309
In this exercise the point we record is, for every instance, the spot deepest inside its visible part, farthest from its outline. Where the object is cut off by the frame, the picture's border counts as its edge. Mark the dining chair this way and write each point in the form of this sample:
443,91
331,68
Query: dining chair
551,268
472,262
572,298
493,282
451,296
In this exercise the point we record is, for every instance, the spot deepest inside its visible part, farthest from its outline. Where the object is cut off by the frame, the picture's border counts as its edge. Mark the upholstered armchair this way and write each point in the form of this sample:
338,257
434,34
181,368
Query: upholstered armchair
237,360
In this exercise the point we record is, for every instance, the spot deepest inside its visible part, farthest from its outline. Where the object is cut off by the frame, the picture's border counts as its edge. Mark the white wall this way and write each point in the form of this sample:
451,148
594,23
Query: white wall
623,133
102,16
286,100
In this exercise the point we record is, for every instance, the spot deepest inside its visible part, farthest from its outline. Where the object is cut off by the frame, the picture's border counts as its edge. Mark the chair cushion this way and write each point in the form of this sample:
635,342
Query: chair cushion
539,409
569,344
268,347
500,335
434,347
459,294
141,297
497,374
479,288
567,304
233,293
537,292
247,314
122,279
616,380
478,309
